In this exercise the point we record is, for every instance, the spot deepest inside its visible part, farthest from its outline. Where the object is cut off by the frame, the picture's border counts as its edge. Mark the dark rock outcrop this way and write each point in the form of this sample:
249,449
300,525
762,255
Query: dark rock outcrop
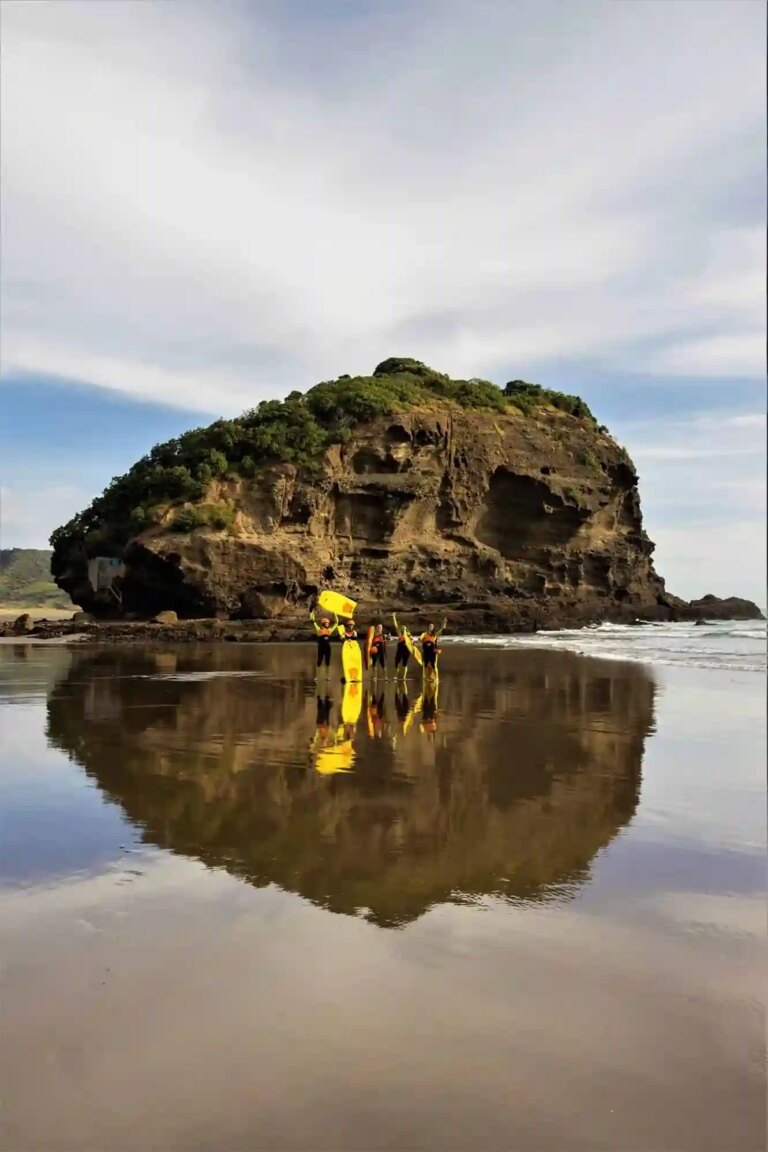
713,608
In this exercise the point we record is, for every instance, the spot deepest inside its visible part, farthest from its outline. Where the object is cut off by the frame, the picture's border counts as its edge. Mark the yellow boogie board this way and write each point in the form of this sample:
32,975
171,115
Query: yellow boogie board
414,651
352,700
351,661
336,603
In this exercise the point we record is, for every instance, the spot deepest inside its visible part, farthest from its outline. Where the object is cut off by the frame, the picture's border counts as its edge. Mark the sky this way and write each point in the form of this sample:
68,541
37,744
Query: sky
204,204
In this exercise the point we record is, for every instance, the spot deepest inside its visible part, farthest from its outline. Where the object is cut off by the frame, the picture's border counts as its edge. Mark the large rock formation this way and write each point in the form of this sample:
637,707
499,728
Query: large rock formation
519,510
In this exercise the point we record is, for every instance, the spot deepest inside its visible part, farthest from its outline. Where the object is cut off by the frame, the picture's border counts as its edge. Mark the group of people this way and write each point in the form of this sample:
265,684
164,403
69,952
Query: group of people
429,643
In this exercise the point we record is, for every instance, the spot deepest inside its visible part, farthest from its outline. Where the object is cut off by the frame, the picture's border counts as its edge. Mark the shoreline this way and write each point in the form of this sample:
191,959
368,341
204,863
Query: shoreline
37,625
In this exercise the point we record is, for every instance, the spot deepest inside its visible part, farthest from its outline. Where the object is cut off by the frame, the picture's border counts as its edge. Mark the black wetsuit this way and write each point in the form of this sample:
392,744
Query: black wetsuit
379,652
402,655
323,646
429,649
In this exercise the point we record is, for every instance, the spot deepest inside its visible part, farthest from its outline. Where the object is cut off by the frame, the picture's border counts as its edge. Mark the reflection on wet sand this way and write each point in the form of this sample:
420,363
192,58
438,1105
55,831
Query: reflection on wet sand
507,781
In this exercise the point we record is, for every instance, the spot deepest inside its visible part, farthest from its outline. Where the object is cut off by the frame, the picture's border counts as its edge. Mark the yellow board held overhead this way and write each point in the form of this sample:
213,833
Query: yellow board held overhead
336,603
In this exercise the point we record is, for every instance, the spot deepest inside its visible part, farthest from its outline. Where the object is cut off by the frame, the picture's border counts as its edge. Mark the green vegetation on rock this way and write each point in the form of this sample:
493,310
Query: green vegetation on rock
25,579
297,430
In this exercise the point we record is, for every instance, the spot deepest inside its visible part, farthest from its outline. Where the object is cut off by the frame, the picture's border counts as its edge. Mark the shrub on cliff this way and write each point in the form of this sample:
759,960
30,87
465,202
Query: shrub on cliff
296,430
526,397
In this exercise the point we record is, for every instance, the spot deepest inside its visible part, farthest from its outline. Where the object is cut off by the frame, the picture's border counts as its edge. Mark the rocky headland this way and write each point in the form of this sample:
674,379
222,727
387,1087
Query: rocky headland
501,509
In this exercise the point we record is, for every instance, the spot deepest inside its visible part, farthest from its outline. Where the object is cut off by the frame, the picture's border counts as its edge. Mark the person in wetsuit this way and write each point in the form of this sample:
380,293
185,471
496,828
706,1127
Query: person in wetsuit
347,631
324,631
430,646
402,652
379,650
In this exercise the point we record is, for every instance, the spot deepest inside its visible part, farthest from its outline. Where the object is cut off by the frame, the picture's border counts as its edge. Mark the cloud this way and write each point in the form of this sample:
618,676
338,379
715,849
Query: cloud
204,206
208,211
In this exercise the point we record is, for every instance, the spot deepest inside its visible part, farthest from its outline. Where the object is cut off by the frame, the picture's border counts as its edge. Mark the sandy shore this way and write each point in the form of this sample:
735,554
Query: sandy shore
13,611
531,915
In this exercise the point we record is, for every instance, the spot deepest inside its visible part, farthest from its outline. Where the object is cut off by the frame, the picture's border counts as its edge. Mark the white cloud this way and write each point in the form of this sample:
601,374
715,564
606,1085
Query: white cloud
206,209
195,209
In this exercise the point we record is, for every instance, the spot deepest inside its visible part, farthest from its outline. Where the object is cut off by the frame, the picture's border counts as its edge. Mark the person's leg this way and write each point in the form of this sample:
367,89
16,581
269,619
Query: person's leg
323,655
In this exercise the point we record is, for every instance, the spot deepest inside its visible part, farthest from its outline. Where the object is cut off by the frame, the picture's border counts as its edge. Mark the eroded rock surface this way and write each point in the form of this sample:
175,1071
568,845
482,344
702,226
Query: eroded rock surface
478,509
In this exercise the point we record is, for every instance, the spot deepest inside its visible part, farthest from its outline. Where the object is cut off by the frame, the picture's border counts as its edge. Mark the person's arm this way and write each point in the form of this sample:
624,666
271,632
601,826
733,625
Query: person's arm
394,621
314,622
340,630
442,628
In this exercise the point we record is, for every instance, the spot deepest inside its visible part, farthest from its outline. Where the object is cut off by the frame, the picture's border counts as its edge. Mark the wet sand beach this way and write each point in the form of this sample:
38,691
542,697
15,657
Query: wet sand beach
525,910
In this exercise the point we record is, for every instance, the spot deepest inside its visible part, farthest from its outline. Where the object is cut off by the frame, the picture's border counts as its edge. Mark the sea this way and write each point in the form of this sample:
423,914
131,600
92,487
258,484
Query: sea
730,646
522,908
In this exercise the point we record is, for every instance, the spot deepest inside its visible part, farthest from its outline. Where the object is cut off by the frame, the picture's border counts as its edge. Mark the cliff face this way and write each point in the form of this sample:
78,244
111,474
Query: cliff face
518,514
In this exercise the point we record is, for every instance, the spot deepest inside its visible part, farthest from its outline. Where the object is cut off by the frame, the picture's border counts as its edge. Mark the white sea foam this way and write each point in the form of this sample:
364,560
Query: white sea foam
730,645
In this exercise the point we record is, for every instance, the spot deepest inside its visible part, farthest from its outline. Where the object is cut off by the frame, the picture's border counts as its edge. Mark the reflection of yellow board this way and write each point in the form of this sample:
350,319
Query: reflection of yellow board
351,660
352,700
336,603
337,759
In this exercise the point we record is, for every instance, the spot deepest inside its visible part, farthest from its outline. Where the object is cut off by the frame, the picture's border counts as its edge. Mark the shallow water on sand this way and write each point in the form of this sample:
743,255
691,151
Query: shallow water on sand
523,911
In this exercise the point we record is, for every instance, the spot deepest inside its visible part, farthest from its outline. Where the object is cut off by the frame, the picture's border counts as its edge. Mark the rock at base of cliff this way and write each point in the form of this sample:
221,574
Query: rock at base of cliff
83,618
167,617
22,624
732,608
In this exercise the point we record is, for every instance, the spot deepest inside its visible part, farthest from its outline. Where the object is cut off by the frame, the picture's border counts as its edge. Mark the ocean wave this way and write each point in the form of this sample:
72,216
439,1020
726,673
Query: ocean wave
728,646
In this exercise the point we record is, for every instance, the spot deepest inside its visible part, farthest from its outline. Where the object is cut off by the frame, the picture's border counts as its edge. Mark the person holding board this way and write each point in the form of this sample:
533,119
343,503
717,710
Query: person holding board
351,656
430,647
324,631
377,649
405,648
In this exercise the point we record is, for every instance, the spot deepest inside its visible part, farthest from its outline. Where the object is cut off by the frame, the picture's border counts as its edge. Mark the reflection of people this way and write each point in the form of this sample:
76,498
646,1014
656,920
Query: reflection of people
332,750
405,713
323,714
375,714
402,705
379,650
428,723
324,631
430,646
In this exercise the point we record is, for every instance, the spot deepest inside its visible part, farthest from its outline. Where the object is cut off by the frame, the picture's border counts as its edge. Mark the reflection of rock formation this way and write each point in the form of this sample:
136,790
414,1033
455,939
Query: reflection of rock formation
534,766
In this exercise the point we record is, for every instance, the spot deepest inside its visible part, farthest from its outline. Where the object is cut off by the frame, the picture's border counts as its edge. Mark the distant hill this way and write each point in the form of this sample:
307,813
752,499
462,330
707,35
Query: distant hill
25,579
